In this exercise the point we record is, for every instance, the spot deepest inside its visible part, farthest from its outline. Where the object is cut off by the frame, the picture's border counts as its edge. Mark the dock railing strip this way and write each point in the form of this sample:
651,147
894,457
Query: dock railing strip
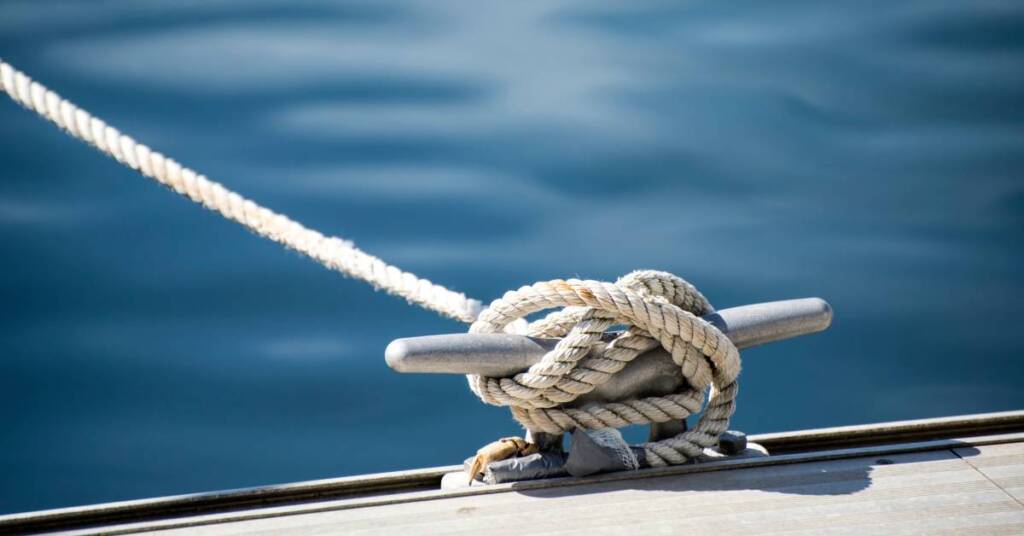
892,432
535,485
845,441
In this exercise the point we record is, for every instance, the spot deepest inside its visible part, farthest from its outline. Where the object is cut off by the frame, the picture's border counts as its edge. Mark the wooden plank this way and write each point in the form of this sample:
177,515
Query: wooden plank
929,491
1002,464
717,489
411,497
527,488
420,485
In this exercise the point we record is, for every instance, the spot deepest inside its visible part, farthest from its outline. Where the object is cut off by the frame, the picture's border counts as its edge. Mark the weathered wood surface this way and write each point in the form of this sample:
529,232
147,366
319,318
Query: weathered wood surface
953,491
966,485
1002,464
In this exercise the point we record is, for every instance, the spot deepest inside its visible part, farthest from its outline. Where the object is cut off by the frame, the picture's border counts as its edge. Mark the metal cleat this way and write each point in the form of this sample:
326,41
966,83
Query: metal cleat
650,374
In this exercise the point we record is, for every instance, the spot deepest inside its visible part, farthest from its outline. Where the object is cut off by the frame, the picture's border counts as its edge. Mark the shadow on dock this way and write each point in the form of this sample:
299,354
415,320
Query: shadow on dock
843,476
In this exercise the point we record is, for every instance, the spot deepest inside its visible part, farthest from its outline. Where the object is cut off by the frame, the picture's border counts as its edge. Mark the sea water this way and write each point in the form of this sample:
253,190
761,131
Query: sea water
870,153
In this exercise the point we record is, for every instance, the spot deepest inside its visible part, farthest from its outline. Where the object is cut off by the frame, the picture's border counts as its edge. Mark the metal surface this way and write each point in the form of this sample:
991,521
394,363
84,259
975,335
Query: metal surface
732,442
651,374
503,355
665,430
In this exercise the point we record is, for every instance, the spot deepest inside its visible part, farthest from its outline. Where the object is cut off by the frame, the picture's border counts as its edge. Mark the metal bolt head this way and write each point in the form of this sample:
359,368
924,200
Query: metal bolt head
732,442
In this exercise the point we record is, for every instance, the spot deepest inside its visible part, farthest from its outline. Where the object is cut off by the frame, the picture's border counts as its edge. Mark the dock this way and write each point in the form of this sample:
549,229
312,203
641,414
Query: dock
954,475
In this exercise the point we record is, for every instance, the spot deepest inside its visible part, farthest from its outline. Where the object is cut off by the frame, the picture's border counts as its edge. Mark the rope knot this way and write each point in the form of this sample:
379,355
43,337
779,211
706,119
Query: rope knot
657,308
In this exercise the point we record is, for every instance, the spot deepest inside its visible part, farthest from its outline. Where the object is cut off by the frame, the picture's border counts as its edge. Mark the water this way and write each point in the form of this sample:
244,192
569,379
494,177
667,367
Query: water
866,152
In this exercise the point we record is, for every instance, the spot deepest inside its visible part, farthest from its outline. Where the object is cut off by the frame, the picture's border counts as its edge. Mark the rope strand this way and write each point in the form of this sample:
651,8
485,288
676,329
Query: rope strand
333,252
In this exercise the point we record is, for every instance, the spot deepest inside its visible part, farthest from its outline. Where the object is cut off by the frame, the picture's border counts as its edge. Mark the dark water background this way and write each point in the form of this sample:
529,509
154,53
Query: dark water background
867,152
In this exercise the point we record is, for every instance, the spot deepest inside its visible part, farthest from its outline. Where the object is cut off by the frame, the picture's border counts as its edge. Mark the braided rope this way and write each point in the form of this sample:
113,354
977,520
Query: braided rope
661,309
333,252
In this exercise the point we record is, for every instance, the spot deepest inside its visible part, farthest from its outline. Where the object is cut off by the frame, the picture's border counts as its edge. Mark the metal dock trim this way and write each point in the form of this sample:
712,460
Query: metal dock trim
422,485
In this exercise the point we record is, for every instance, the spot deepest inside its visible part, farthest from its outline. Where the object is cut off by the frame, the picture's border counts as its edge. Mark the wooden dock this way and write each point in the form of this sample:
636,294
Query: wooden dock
957,475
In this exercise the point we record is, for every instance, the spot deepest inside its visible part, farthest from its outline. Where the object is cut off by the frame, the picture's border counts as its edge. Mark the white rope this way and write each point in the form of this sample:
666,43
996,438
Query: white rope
660,308
333,252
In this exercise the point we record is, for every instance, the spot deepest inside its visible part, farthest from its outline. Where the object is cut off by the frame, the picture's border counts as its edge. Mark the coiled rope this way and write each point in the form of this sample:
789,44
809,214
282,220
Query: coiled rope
659,308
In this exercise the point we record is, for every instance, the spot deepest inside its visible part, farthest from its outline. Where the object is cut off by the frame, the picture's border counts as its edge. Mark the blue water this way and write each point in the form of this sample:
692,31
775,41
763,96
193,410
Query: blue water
867,152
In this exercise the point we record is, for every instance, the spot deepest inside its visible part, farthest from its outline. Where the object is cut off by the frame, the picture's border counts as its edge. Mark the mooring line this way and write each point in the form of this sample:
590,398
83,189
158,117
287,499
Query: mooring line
333,252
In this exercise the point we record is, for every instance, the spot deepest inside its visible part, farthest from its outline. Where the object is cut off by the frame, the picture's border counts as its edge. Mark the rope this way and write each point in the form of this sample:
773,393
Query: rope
659,308
333,252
